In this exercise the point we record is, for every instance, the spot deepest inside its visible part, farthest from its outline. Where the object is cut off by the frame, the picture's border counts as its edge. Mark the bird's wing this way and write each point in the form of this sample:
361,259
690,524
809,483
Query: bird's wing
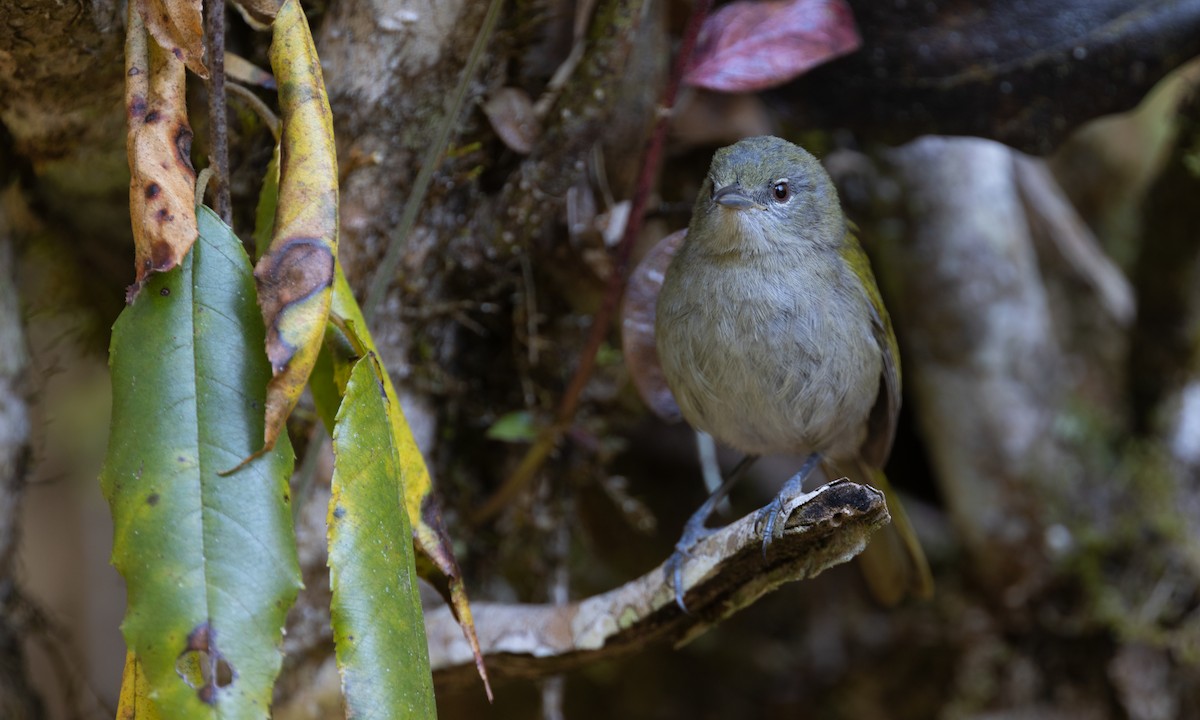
881,424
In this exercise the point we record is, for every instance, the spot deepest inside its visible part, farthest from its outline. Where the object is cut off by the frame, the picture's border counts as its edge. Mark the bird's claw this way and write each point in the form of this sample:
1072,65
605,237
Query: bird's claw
673,569
771,516
693,533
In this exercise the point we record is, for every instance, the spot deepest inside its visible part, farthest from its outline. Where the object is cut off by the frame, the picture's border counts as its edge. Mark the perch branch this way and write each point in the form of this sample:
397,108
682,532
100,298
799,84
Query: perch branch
725,573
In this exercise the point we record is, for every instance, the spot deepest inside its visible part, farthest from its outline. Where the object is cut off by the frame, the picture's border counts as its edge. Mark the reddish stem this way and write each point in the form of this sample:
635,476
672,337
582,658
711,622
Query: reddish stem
548,439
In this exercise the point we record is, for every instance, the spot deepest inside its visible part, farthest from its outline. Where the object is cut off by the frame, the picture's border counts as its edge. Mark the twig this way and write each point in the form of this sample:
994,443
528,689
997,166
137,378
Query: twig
218,136
548,439
270,119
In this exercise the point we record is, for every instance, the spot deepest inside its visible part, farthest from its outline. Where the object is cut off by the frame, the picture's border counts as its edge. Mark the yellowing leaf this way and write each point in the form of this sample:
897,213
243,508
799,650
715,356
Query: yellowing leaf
134,702
159,144
378,628
294,276
429,531
178,26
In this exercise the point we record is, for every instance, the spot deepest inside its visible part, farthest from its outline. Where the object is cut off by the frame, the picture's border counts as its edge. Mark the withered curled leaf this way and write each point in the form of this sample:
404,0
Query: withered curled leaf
159,144
178,27
295,275
242,70
258,14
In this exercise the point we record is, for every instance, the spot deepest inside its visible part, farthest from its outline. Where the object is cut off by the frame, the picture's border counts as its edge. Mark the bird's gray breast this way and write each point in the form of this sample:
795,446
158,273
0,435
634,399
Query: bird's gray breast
771,355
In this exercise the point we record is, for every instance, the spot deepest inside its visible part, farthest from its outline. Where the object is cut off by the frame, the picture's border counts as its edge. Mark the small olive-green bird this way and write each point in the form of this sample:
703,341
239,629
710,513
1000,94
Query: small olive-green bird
774,339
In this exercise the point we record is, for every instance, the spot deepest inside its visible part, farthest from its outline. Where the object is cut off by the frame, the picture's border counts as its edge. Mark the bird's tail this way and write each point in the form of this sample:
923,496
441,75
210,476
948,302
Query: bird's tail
893,563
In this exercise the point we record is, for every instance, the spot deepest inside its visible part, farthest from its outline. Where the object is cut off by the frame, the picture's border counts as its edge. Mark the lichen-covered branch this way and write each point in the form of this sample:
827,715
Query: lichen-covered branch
725,573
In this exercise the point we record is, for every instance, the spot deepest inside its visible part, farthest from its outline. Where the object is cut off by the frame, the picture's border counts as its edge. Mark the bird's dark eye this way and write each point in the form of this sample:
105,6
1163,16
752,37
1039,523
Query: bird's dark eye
781,191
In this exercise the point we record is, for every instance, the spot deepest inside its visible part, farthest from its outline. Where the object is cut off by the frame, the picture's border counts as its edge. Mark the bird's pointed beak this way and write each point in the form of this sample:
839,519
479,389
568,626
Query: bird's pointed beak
734,198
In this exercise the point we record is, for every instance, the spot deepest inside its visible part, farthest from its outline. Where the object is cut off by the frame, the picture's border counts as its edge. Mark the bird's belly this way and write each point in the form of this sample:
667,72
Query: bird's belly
759,381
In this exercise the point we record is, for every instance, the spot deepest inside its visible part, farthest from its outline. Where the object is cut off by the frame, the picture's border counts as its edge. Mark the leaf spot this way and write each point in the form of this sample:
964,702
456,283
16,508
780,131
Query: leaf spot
183,146
152,190
165,291
339,512
298,269
152,117
161,253
152,499
202,667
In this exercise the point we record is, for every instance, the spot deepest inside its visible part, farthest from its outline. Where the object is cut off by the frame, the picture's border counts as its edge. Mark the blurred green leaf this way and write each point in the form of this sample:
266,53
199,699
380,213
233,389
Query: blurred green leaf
516,426
268,200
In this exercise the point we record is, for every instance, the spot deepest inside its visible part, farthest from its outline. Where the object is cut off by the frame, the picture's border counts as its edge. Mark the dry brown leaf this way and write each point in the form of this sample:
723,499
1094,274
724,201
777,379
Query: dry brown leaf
242,70
258,14
178,26
159,142
511,114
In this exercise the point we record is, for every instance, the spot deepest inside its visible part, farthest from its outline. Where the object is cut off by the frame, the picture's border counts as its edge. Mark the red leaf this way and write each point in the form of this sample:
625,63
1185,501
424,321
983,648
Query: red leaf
637,327
747,46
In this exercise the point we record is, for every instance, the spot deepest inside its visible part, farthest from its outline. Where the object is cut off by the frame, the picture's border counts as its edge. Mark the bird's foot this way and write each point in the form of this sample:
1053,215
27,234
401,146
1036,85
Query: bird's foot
772,514
693,532
772,517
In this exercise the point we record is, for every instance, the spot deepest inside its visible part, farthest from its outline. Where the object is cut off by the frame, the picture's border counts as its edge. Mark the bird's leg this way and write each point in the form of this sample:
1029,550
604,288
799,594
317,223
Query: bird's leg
694,529
773,512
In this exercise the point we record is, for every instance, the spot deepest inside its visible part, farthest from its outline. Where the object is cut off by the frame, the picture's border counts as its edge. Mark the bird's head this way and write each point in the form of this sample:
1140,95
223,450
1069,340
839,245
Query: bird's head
765,194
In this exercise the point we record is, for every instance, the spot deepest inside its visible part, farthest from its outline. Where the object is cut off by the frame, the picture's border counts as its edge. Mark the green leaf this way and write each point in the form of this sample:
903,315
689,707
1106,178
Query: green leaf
429,531
268,200
378,627
331,373
516,426
209,562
